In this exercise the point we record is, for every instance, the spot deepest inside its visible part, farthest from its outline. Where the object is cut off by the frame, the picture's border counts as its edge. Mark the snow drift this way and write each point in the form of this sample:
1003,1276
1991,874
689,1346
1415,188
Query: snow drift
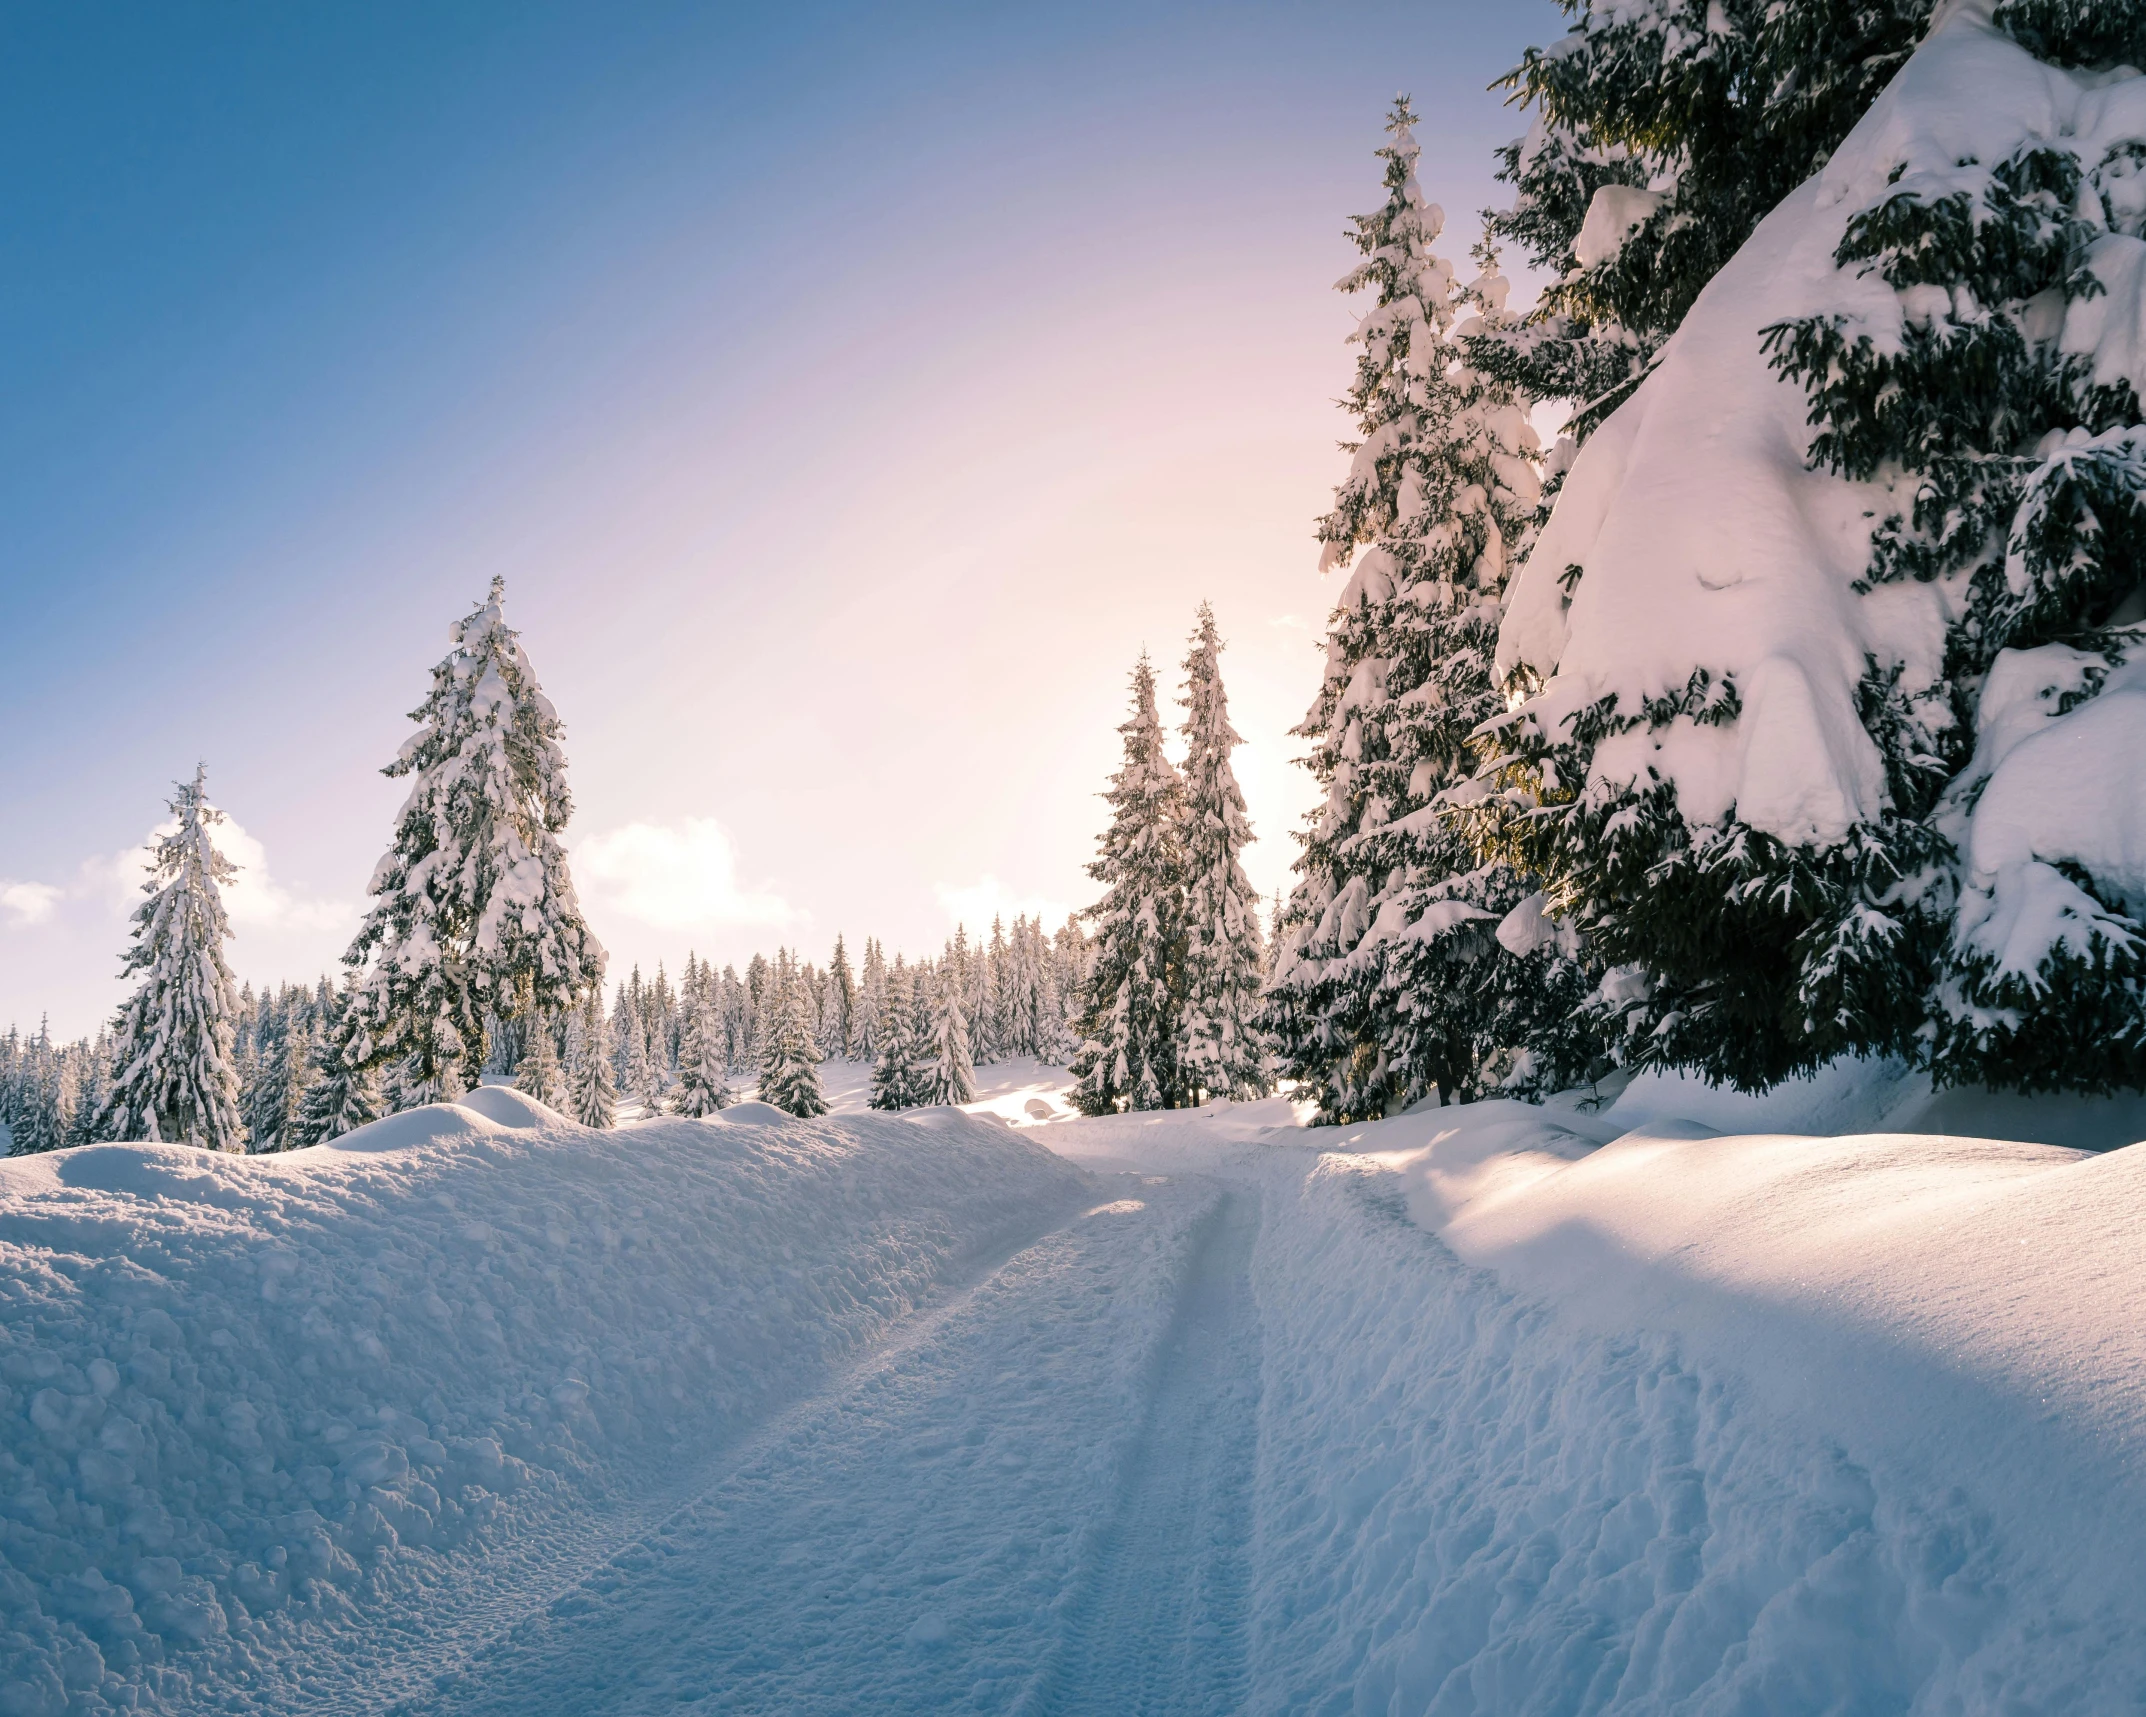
261,1419
1726,1425
1558,1416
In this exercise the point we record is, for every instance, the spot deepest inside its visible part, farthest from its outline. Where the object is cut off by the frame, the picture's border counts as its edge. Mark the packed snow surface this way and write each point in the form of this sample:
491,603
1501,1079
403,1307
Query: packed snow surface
1688,1404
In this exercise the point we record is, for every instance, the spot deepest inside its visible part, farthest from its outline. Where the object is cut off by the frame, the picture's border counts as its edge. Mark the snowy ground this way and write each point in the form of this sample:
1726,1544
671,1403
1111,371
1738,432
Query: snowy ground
1499,1409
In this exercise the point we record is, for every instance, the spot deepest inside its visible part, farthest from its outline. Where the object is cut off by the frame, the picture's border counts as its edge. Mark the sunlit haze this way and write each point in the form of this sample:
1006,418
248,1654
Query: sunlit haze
847,397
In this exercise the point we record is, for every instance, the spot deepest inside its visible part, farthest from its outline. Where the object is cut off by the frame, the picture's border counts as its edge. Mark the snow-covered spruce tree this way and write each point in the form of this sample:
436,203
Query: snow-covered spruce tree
1072,959
1129,1020
1850,800
1663,132
894,1071
790,1065
703,1060
1001,1009
1054,1034
870,1003
591,1087
625,1012
840,1011
295,1053
924,981
951,1074
642,1081
473,905
340,1099
1221,1052
1390,982
96,1093
539,1074
35,1121
174,1077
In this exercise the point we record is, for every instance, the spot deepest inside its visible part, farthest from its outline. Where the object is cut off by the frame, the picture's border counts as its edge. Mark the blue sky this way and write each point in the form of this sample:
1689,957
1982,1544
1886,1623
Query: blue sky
846,394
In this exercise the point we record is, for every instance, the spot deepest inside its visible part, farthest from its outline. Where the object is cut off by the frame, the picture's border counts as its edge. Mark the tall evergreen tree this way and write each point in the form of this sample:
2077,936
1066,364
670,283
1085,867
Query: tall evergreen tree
894,1071
340,1099
1129,1025
924,981
539,1074
951,1074
703,1063
474,909
659,1019
870,1005
760,997
591,1089
283,1123
999,1033
1894,865
841,1010
1221,1052
1053,1031
341,1096
790,1068
96,1094
626,1006
638,1079
37,1123
174,1077
1392,981
1072,962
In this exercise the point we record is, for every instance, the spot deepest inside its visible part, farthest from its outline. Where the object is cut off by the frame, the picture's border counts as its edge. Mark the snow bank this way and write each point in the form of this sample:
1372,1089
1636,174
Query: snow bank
1743,1424
262,1419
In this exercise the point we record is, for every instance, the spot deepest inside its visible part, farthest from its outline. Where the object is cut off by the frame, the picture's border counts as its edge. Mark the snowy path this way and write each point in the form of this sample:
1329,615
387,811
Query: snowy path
1158,1625
1038,1501
1187,1413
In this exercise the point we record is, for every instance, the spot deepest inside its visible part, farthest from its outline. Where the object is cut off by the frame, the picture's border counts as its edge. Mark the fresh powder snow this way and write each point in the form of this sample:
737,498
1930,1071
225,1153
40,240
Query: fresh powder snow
1676,1405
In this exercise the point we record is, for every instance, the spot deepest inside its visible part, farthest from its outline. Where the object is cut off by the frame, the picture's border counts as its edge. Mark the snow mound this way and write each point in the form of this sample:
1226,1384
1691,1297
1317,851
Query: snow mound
420,1126
1875,1095
753,1114
273,1428
1701,1424
512,1108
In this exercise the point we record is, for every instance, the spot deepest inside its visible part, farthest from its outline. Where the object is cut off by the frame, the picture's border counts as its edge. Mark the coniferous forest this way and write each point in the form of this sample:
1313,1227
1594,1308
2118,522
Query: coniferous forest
1567,1143
1542,860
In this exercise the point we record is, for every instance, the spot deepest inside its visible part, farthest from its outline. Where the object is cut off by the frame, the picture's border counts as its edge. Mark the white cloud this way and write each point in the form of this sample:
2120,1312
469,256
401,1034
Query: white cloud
29,902
673,876
977,903
253,899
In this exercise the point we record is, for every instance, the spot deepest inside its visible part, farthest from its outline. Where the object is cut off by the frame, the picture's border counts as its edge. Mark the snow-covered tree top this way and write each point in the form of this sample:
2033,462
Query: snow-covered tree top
475,905
174,1078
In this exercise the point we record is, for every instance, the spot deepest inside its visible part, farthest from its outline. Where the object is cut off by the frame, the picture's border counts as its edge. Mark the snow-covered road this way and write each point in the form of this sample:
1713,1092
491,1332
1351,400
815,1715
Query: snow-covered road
1035,1500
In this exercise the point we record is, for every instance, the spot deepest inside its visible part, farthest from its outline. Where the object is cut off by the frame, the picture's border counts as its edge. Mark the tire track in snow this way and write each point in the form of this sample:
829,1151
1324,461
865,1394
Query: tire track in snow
1156,1625
559,1558
906,1544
